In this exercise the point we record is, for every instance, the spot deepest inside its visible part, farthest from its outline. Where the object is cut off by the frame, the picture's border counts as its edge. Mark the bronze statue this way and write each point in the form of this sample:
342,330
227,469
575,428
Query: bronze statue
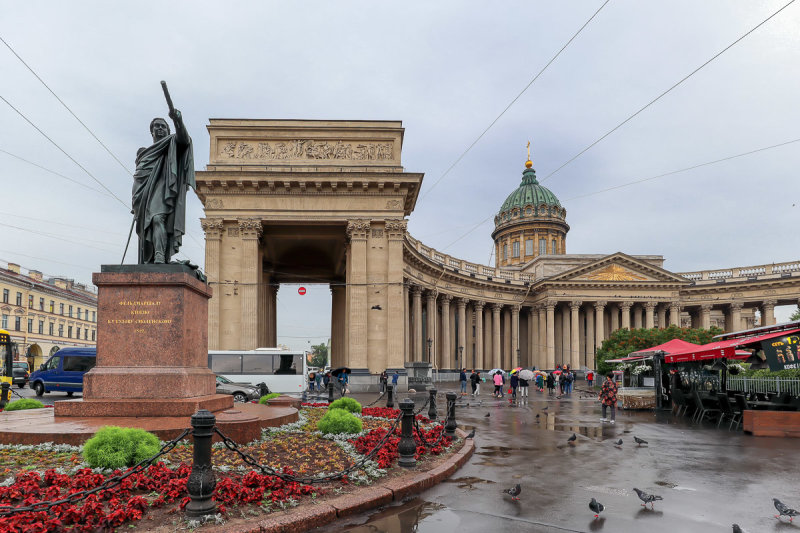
164,173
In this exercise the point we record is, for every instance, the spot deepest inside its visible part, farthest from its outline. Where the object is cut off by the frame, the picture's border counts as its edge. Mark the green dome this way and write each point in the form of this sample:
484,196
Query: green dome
530,193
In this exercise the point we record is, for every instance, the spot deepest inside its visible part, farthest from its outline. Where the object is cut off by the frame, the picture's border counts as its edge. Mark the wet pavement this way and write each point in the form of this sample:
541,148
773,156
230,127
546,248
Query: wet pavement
709,478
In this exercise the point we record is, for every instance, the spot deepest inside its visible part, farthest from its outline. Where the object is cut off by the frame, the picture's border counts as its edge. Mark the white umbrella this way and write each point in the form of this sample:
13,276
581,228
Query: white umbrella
494,371
526,374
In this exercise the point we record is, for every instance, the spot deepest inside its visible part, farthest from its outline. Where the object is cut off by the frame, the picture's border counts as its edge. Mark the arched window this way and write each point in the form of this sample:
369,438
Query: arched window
515,249
529,247
542,246
505,252
554,247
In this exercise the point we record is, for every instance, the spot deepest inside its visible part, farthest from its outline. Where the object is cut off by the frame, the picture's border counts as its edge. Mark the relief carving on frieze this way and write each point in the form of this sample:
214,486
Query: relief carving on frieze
308,149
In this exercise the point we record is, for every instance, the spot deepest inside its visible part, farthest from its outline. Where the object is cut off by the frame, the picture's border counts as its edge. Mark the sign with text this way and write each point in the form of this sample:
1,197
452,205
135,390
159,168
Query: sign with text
782,352
301,291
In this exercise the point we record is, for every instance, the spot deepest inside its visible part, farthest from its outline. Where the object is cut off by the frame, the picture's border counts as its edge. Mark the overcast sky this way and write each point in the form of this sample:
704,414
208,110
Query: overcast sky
447,70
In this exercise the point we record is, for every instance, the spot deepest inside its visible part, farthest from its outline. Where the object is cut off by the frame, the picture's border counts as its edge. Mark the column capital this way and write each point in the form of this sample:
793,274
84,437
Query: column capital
549,305
432,294
496,307
575,304
357,229
446,298
600,305
478,305
515,309
250,228
651,305
416,290
461,303
736,306
706,307
769,303
212,227
625,306
396,228
675,305
532,310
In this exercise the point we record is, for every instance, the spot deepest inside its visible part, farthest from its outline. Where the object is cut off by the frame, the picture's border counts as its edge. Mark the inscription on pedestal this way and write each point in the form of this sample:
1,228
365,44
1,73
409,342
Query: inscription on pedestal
141,315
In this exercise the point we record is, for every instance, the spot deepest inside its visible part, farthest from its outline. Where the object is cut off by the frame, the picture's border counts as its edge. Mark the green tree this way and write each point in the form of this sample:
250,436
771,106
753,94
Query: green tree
796,314
624,341
319,357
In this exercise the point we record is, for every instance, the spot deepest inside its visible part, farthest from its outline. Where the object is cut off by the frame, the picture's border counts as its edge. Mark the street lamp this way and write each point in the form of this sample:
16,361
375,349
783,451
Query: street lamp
460,357
430,343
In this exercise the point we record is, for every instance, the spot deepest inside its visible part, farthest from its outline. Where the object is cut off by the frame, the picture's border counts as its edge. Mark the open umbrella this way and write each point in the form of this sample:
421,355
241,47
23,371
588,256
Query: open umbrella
494,371
527,375
516,370
337,371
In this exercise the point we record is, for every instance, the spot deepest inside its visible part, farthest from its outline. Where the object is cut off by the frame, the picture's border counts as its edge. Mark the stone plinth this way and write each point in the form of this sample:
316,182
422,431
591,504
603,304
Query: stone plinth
152,346
419,375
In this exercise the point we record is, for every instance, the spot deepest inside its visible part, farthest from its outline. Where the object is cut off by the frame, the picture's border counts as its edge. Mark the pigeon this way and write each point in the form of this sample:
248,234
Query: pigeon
471,434
596,507
486,415
783,510
573,438
537,415
618,444
647,498
737,529
639,441
514,491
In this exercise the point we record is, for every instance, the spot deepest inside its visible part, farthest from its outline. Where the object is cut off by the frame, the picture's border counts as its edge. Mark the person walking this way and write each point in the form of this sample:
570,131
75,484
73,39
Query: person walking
570,378
311,381
559,377
473,381
384,379
551,383
514,384
498,384
395,376
462,379
523,388
589,378
478,381
608,397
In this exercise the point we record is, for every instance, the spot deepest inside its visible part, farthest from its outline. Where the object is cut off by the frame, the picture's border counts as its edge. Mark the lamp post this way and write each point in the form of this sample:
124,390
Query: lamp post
430,343
460,357
518,363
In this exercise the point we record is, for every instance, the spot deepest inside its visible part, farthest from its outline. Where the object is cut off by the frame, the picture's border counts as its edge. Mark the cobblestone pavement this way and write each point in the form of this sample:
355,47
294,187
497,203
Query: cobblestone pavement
709,478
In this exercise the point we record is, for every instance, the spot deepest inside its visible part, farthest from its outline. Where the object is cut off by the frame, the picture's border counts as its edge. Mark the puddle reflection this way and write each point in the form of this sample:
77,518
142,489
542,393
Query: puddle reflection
415,516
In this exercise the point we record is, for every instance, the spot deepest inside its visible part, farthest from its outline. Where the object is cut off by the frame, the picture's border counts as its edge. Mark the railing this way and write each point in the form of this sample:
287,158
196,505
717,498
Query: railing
764,385
774,270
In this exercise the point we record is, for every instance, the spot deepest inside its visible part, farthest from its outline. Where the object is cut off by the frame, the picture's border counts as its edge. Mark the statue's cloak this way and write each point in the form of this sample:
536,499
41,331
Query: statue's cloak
164,172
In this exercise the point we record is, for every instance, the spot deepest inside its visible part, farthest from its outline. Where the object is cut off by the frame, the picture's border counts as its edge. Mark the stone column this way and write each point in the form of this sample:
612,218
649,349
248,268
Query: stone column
416,295
506,351
590,339
515,336
250,231
447,352
213,230
574,345
735,316
478,309
675,314
541,345
397,297
661,312
496,360
649,307
599,329
533,327
626,315
431,330
637,316
566,346
705,316
357,231
461,306
551,335
768,312
613,310
407,356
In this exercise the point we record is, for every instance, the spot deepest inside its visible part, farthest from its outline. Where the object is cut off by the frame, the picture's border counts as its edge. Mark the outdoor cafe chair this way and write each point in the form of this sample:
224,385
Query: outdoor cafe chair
679,402
726,410
703,410
741,404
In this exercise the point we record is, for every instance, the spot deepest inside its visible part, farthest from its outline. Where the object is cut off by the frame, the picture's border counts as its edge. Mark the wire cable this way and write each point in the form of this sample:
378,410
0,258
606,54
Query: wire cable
65,106
446,172
657,98
76,182
64,152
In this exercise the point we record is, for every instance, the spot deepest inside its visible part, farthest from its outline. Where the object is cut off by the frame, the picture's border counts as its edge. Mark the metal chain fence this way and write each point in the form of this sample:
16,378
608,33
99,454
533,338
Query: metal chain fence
110,483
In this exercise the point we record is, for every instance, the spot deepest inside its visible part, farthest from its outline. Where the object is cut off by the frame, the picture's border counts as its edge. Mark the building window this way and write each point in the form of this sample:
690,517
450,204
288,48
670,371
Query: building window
94,316
30,301
542,246
19,299
5,296
17,323
61,309
79,313
61,330
41,304
86,334
30,325
554,247
4,322
70,307
529,247
505,252
51,329
515,249
92,334
52,306
41,327
69,332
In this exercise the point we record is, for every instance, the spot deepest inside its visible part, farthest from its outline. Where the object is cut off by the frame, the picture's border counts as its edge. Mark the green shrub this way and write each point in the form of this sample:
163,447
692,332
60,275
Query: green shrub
767,373
348,404
339,421
115,447
266,398
25,403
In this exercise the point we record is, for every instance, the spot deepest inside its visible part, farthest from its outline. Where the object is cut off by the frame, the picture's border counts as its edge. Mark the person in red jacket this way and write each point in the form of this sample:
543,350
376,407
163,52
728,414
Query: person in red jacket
589,378
608,397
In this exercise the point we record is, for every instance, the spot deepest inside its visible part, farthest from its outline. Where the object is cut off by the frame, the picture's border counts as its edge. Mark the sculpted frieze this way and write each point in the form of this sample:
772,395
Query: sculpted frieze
307,149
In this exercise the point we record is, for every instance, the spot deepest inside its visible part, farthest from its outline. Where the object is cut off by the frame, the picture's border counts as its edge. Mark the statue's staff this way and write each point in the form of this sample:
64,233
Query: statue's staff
133,222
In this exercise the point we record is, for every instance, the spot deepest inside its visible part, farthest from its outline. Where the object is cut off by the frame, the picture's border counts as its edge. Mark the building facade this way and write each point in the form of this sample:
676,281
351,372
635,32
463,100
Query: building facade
327,201
44,315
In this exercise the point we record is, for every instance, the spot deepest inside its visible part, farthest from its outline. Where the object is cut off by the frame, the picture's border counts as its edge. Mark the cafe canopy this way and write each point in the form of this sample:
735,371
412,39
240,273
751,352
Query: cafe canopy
669,347
725,348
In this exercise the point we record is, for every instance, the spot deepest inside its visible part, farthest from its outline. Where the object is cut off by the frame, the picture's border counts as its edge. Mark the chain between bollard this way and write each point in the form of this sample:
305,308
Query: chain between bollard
377,400
438,440
268,470
110,483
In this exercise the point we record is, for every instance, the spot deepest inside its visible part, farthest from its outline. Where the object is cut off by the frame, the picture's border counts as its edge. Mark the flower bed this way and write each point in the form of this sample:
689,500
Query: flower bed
154,497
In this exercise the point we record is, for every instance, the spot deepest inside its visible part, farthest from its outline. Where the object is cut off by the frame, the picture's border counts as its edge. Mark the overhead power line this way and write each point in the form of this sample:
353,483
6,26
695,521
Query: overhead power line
657,98
76,182
66,106
446,172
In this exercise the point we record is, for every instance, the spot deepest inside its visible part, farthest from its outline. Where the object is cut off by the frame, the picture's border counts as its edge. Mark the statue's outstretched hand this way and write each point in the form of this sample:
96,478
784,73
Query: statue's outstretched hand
175,114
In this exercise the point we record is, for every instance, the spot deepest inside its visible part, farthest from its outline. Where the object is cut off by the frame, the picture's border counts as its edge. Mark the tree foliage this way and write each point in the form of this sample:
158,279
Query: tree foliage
319,357
624,341
796,315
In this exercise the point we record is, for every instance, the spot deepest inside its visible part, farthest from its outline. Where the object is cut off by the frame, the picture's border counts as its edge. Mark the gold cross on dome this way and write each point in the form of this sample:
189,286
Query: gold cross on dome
529,150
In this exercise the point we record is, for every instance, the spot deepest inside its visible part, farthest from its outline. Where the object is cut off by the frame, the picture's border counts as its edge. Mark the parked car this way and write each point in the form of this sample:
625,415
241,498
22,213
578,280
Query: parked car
20,374
242,392
64,371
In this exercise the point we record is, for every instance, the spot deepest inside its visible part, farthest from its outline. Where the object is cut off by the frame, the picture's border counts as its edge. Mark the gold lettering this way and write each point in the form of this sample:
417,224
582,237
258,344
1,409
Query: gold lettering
139,312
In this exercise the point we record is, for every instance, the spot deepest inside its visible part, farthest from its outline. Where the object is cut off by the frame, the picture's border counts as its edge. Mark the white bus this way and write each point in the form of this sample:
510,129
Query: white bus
282,370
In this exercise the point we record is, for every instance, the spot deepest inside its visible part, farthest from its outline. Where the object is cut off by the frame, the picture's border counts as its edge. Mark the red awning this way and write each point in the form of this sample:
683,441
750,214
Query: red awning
673,346
726,348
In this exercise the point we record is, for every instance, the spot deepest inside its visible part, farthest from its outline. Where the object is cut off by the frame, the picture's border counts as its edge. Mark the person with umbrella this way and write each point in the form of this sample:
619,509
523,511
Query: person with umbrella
524,377
498,384
514,384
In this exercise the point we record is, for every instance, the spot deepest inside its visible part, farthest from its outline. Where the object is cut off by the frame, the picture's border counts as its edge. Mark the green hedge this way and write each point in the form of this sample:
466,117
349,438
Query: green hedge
348,404
116,447
267,397
25,403
766,373
339,421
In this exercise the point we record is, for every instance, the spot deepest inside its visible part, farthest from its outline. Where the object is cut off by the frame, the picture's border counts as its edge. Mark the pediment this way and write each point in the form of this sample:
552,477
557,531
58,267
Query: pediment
619,268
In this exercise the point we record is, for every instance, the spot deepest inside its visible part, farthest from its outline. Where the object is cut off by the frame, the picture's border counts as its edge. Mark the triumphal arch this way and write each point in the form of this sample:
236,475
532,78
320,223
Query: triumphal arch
316,201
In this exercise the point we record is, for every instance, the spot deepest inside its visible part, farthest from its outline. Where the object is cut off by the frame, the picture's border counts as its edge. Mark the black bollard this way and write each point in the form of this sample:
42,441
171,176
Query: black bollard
390,396
432,404
5,395
330,392
407,447
202,481
450,426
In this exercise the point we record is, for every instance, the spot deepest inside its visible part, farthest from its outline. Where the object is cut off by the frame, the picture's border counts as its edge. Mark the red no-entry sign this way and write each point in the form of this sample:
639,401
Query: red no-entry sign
301,291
